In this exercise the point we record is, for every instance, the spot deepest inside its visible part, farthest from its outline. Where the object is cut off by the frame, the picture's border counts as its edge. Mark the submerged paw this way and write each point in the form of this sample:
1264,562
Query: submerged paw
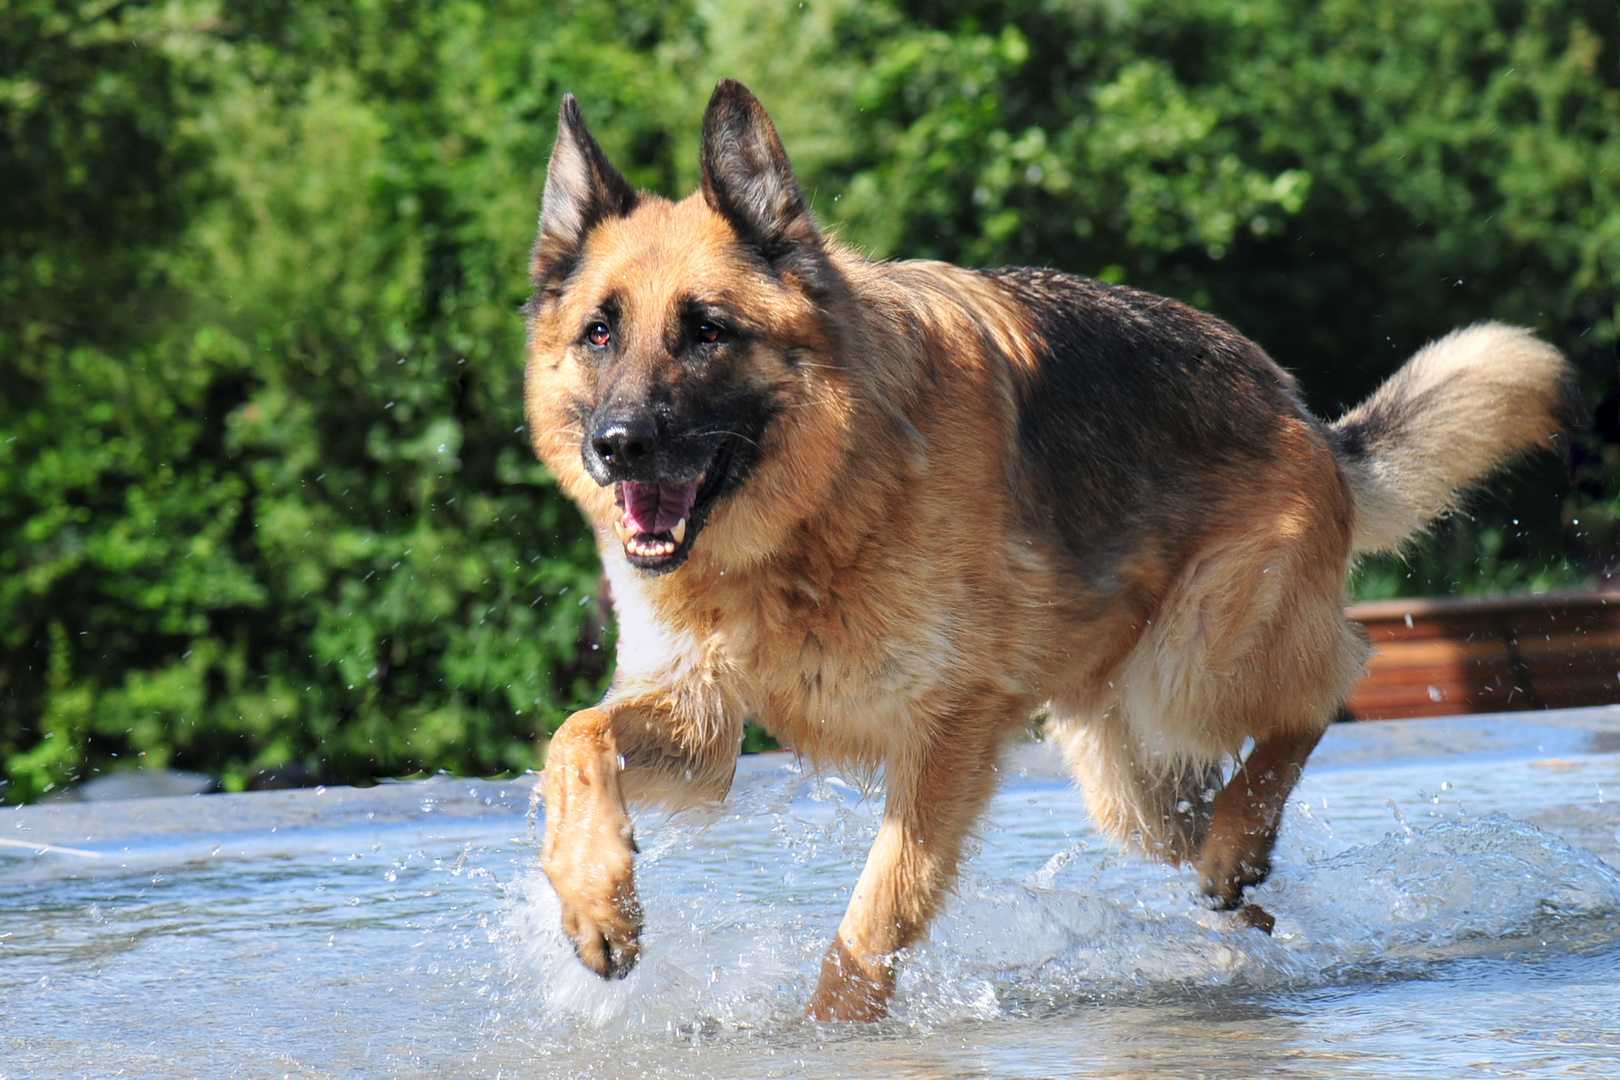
610,943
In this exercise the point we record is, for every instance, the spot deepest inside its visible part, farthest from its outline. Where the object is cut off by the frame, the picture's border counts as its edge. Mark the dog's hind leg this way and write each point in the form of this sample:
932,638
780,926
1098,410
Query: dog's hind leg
1236,851
1158,804
932,803
1181,812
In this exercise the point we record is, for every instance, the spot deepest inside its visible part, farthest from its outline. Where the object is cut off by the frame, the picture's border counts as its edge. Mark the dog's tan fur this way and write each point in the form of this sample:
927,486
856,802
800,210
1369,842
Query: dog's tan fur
883,590
1471,395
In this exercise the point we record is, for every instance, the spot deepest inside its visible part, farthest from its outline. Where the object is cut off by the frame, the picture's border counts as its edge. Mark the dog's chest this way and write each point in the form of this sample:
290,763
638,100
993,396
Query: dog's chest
840,667
829,667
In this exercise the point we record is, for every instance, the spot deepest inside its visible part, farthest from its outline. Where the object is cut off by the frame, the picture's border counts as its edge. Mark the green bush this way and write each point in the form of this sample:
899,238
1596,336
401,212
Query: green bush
265,496
267,499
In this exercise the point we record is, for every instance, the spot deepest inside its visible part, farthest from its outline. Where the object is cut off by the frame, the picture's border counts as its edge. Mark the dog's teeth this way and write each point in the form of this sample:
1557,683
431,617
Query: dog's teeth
679,532
648,548
626,533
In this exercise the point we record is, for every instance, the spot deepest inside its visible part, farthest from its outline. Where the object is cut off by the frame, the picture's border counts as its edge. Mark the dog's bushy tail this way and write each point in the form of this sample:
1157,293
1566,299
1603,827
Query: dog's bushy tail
1459,409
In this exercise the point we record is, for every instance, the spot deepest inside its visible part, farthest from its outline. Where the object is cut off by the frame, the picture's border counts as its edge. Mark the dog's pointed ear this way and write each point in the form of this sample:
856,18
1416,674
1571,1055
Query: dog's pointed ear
748,181
582,188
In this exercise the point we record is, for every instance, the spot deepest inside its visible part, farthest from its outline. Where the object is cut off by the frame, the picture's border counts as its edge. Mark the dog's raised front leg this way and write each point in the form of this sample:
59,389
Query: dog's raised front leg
929,810
1243,827
636,750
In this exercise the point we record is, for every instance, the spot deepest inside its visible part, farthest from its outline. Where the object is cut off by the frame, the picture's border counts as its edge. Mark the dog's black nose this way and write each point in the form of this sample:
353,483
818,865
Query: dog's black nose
625,440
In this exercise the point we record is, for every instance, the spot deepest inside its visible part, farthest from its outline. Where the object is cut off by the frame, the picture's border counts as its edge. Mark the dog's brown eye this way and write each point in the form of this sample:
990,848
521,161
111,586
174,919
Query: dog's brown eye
597,333
710,333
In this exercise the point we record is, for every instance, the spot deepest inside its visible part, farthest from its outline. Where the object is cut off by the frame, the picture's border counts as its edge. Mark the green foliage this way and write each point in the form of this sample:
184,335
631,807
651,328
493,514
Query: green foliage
265,497
278,508
1342,180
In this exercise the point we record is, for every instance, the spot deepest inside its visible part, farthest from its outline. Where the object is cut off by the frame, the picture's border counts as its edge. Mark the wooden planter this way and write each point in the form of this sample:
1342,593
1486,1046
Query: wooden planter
1442,657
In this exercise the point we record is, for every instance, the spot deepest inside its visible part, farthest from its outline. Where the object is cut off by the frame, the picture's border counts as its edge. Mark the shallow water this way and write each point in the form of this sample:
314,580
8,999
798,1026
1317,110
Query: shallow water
1446,897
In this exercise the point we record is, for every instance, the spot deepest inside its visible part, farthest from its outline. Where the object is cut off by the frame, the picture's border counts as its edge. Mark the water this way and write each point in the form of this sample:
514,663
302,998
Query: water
1446,897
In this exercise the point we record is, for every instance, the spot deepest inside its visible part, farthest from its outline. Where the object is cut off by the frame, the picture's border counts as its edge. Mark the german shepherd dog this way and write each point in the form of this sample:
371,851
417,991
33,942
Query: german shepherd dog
895,510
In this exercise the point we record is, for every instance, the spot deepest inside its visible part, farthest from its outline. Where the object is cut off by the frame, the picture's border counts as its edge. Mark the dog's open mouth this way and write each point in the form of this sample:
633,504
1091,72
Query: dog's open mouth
659,522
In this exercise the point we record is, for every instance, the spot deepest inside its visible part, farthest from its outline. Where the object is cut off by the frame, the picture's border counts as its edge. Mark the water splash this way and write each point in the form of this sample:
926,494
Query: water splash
737,922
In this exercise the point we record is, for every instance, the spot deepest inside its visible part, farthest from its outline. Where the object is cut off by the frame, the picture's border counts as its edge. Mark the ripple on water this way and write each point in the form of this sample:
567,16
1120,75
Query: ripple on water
722,961
361,940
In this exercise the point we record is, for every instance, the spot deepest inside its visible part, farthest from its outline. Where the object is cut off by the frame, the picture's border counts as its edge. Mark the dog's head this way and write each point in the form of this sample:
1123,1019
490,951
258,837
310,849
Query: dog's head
682,377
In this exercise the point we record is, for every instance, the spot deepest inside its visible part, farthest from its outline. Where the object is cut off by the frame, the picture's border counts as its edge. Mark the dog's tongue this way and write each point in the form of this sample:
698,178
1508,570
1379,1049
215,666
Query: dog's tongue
655,508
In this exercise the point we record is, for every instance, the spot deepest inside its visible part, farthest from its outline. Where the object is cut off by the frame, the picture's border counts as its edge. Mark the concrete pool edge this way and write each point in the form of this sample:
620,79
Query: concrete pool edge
1551,734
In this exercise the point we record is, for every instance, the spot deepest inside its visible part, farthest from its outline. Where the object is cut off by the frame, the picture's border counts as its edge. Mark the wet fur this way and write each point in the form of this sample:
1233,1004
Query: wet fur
970,497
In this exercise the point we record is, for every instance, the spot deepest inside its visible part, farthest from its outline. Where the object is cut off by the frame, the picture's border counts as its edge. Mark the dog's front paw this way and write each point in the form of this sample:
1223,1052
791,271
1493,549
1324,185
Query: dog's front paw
589,855
606,934
850,989
590,865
